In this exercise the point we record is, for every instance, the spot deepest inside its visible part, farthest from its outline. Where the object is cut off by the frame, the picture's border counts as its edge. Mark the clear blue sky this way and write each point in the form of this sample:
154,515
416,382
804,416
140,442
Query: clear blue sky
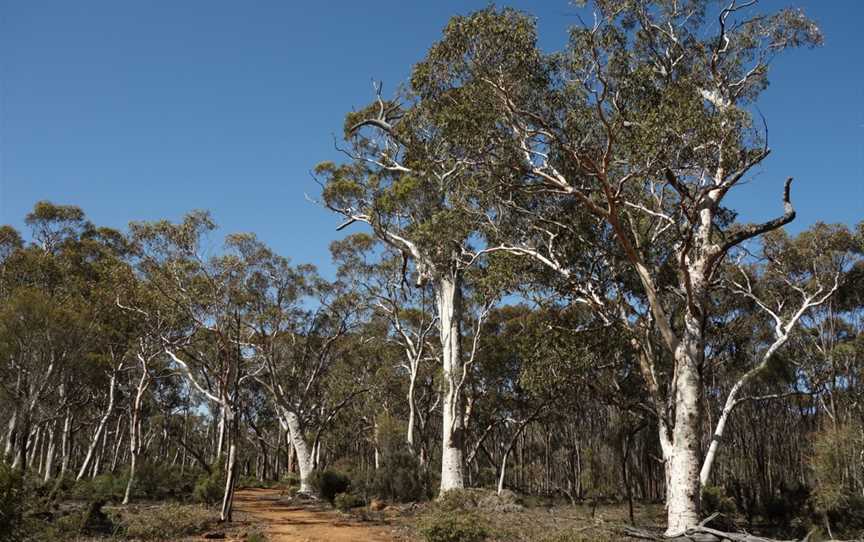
139,110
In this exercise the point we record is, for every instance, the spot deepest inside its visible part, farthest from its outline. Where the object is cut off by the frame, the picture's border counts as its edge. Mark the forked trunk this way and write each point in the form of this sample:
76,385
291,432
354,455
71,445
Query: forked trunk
94,442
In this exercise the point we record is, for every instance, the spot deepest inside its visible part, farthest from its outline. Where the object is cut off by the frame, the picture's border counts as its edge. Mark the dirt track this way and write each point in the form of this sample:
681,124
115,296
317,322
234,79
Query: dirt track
284,521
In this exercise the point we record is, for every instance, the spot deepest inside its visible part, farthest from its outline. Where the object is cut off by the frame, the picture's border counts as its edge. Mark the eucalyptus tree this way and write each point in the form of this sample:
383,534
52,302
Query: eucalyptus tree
642,126
378,274
208,291
298,329
408,177
51,288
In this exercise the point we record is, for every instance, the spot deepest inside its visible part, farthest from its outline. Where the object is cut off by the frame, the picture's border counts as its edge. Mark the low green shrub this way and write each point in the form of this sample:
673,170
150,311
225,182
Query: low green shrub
209,488
457,499
399,479
105,487
166,521
12,499
329,483
290,479
445,526
347,501
715,499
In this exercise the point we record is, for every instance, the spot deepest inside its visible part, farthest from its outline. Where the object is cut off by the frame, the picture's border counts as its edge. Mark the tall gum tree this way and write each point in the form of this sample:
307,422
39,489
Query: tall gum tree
210,349
407,311
409,171
642,126
299,326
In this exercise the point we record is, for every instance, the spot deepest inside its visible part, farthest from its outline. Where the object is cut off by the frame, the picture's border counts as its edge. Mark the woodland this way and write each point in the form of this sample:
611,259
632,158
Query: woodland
540,295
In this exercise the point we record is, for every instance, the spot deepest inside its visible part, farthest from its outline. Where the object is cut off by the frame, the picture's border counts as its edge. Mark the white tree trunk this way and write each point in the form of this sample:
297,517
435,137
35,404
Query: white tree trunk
65,448
99,428
448,296
503,470
682,455
375,444
49,455
301,448
412,409
228,496
220,443
135,433
711,455
10,435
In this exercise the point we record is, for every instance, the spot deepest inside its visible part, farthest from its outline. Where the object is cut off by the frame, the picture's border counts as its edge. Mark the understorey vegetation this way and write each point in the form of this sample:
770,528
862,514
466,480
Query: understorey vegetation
542,302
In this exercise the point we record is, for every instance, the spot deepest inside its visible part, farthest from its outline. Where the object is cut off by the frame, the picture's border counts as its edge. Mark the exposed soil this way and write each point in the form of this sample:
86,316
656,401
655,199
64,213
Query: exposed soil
285,520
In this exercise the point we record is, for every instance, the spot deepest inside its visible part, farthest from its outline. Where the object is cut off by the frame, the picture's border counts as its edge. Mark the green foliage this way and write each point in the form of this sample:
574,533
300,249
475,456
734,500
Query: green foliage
105,487
788,504
347,501
209,488
155,481
12,499
166,522
715,499
399,478
833,497
244,482
456,500
290,479
329,483
445,526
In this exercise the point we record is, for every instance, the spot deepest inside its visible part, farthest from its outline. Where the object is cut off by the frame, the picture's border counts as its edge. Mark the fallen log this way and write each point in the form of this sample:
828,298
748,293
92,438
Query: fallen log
703,533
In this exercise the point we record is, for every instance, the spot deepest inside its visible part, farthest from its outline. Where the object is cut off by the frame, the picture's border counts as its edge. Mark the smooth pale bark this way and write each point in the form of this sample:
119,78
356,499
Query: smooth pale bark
230,479
10,435
305,465
375,444
100,427
135,432
448,296
33,445
412,409
11,430
65,448
682,455
49,454
220,443
118,436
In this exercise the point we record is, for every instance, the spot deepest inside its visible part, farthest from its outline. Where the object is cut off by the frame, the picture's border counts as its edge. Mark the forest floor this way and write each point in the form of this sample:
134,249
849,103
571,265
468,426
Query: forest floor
283,519
286,520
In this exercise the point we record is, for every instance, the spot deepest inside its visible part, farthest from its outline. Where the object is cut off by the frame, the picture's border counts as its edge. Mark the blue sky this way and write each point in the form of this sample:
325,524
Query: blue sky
140,110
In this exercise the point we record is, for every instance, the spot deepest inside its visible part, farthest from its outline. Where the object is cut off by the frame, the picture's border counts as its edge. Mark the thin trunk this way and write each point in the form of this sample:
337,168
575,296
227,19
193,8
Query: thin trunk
49,455
230,479
65,443
412,408
99,428
118,435
135,433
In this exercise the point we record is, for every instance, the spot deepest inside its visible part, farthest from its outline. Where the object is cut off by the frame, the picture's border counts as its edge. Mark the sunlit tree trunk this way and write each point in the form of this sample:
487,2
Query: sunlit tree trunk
305,463
135,432
94,442
449,299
